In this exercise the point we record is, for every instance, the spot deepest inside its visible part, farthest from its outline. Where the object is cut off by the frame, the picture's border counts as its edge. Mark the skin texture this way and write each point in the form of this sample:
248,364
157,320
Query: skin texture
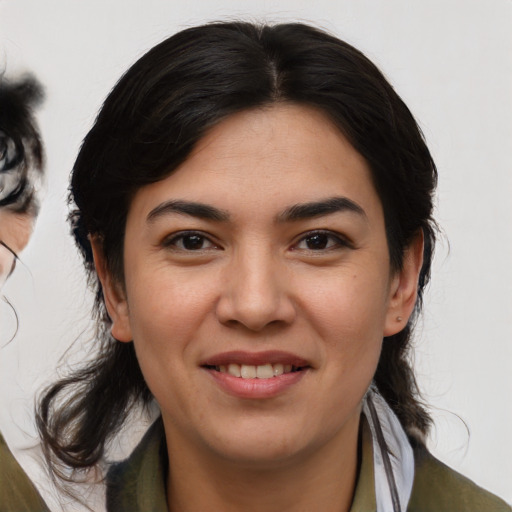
257,282
15,231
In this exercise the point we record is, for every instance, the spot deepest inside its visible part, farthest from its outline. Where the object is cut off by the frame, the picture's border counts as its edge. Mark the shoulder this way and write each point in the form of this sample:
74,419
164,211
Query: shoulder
138,483
439,488
17,492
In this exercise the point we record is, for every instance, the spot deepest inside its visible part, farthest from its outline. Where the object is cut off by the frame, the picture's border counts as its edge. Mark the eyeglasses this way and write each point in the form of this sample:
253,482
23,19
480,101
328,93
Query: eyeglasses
7,262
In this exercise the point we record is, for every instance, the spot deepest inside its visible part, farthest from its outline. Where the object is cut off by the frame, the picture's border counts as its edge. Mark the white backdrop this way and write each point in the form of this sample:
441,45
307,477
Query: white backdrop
450,60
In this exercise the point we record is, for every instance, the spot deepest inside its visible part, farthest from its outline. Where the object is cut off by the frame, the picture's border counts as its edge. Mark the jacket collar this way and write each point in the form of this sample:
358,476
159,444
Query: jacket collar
138,483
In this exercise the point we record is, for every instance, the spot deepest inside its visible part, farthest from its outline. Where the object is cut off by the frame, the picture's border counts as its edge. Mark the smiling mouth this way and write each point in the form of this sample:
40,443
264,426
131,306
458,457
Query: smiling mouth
264,371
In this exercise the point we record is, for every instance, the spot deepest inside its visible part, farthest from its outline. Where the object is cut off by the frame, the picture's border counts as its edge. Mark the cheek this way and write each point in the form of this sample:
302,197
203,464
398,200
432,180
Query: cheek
16,230
164,318
348,312
167,308
350,305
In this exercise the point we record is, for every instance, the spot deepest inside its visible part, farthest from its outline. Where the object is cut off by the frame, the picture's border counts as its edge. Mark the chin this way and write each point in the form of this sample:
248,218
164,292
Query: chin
265,444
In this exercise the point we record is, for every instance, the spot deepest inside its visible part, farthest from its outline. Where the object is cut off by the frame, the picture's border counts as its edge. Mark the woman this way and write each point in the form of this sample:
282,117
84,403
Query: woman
21,169
253,205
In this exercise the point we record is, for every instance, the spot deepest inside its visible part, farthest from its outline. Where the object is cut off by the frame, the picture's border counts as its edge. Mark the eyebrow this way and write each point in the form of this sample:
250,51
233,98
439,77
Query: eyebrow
293,213
190,208
319,209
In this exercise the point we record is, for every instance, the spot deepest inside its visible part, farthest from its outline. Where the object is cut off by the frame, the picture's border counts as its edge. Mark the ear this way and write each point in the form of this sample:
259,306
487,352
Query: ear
113,294
404,288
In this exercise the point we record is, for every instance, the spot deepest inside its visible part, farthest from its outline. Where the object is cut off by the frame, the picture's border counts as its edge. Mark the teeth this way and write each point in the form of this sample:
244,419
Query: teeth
247,371
234,369
265,371
278,369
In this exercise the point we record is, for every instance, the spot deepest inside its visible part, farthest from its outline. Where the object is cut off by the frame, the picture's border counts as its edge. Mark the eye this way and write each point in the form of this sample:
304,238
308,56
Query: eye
321,241
190,241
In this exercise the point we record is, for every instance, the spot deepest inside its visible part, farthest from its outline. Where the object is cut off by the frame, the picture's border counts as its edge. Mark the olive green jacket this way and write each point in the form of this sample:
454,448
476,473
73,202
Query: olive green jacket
17,492
138,483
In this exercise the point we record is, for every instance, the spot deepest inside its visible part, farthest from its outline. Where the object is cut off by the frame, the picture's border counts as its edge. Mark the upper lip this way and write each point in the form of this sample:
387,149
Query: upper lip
255,358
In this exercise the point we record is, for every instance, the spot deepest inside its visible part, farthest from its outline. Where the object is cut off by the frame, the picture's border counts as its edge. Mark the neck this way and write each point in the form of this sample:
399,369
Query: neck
323,479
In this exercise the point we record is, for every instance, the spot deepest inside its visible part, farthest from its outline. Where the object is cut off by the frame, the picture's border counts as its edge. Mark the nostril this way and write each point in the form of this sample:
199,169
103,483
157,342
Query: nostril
255,312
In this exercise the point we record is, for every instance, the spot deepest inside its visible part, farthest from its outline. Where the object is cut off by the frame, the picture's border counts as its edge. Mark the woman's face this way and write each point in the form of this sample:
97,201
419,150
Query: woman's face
263,255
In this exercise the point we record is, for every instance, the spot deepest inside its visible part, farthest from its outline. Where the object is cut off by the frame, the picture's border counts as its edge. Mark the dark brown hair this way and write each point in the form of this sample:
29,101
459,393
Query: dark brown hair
21,148
149,124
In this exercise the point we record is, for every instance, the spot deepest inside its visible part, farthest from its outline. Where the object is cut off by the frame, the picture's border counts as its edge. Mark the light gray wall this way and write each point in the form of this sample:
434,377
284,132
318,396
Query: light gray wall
452,63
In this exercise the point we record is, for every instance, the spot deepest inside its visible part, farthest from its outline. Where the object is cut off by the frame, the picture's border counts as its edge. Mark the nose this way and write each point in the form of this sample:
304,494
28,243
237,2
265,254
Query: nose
255,293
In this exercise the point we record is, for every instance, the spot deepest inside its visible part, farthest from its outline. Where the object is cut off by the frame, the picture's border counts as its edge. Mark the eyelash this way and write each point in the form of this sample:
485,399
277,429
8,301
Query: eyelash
339,241
173,241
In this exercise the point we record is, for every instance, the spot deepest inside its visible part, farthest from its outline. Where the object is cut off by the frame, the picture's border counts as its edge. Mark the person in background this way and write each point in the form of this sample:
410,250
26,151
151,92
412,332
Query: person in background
21,173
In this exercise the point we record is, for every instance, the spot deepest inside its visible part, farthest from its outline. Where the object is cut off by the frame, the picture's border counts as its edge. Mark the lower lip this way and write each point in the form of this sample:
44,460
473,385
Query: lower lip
256,388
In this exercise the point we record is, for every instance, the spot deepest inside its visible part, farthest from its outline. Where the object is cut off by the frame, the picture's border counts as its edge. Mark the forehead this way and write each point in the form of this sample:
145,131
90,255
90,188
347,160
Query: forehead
266,159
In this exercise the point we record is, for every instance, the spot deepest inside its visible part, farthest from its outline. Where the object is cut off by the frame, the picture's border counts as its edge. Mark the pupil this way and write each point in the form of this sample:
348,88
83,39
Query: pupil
193,242
318,241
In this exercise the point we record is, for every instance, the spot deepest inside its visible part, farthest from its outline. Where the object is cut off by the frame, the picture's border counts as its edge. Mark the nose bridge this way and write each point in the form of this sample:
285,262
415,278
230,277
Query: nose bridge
255,293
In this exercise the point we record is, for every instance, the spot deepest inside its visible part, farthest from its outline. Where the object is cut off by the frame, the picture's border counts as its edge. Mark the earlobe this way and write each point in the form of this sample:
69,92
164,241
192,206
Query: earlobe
404,288
113,294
